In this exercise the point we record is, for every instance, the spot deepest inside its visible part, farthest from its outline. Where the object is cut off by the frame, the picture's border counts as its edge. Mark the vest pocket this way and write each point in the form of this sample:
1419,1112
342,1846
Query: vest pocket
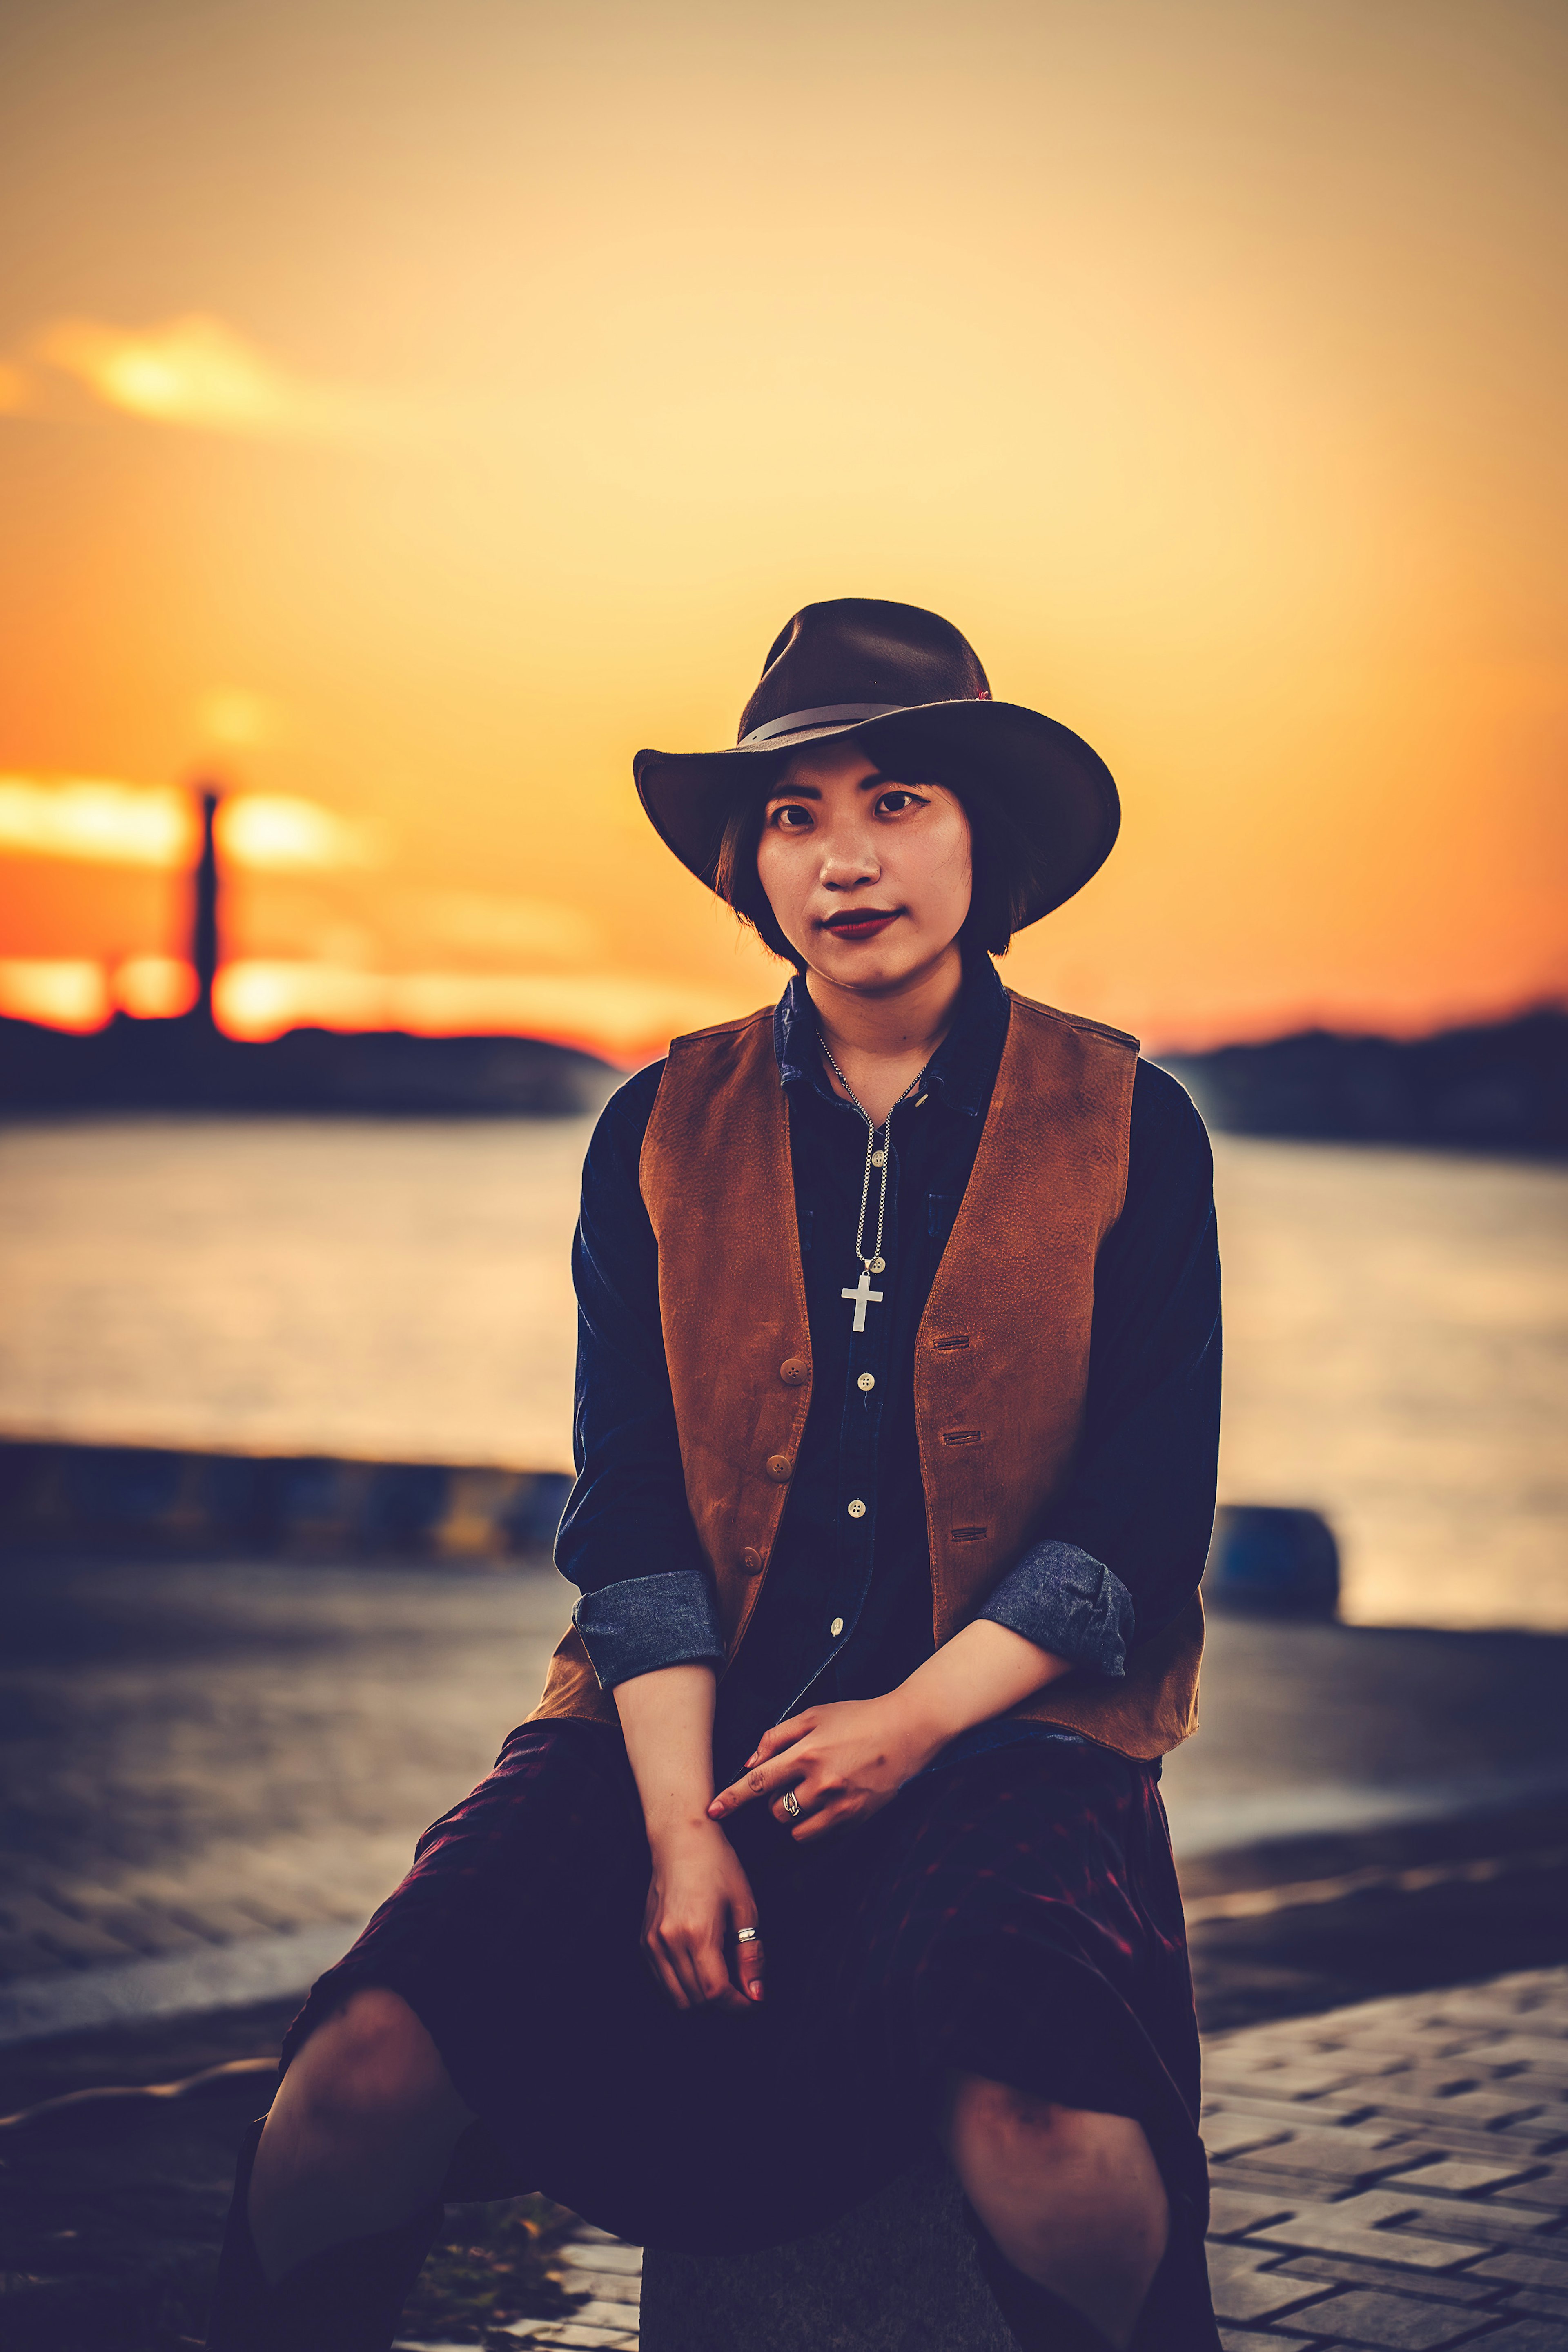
941,1208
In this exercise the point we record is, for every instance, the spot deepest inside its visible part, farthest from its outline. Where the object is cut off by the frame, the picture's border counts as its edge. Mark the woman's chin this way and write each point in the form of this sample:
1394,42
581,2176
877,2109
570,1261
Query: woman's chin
890,961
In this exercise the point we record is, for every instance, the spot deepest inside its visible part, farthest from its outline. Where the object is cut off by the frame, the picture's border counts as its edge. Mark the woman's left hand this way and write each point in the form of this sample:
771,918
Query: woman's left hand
841,1762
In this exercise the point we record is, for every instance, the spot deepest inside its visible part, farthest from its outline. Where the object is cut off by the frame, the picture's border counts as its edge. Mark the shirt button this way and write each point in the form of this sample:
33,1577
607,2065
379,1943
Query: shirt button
836,1628
857,1510
793,1372
751,1561
867,1381
779,1467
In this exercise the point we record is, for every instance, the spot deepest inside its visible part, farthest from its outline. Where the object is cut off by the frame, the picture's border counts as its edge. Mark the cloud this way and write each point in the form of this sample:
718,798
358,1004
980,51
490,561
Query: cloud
196,371
109,823
273,833
100,822
526,930
61,992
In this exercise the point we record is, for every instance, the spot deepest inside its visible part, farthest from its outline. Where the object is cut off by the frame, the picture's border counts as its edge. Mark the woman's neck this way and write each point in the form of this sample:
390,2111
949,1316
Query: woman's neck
883,1041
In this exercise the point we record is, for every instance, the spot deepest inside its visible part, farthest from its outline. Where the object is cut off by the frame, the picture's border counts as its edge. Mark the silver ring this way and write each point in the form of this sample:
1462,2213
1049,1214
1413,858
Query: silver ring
745,1935
792,1804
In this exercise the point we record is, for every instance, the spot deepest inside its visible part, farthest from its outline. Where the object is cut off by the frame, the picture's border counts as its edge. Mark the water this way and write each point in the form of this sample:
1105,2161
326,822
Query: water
1397,1322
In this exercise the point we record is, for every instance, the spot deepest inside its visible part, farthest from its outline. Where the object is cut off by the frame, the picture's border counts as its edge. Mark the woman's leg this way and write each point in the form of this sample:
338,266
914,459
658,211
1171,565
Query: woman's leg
359,2135
1070,2199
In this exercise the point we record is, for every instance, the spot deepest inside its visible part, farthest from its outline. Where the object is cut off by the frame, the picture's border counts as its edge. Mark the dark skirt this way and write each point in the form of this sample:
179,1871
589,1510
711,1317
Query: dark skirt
1014,1916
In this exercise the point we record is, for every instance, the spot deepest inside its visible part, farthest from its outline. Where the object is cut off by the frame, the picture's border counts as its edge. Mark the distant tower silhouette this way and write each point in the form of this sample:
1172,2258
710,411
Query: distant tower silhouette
205,913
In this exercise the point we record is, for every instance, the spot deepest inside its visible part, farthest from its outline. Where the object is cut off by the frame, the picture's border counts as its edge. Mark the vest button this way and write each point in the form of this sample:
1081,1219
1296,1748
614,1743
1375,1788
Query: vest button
792,1372
752,1561
779,1467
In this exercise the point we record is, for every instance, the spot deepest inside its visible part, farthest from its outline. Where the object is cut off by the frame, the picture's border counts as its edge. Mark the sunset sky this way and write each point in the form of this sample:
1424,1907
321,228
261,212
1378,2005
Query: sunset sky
409,410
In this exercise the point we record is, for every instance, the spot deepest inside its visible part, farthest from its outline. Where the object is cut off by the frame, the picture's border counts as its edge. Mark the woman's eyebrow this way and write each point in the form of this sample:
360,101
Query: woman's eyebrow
808,792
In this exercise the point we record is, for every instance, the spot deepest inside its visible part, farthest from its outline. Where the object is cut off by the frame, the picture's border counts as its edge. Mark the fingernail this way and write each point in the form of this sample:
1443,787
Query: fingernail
749,1761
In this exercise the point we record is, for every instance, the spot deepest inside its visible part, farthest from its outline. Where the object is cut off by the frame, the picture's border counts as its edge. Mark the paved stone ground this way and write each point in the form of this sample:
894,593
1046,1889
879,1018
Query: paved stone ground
1390,2176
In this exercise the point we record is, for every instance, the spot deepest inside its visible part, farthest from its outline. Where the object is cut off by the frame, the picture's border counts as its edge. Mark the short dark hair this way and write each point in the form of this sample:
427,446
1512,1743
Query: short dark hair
1003,860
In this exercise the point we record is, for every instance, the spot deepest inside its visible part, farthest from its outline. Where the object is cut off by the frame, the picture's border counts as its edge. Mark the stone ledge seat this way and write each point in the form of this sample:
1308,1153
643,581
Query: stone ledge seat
898,2274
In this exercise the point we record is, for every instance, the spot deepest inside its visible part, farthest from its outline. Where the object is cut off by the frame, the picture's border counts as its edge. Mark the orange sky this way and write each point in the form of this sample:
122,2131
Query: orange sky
419,407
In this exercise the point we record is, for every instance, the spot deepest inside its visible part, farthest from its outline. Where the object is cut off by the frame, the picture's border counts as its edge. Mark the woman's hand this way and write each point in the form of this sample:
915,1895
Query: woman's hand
842,1763
698,1897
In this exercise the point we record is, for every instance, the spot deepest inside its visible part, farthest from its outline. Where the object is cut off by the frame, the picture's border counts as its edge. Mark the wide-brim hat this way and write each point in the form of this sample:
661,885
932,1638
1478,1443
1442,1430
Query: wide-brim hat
911,687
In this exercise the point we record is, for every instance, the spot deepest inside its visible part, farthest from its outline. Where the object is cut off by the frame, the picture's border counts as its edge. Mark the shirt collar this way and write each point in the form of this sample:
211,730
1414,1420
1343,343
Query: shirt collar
963,1069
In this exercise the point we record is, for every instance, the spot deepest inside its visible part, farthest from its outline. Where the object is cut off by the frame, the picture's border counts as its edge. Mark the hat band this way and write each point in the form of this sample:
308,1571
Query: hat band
832,714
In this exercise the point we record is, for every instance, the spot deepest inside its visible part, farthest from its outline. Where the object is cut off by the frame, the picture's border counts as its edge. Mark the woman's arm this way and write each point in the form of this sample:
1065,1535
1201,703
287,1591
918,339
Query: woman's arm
627,1539
698,1894
845,1761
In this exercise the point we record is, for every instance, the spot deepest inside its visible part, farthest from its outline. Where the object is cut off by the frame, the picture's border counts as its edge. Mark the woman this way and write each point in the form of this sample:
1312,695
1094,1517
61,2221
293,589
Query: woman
896,1423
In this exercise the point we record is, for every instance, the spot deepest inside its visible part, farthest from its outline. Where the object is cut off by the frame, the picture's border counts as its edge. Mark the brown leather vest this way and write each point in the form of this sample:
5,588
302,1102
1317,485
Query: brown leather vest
1001,1356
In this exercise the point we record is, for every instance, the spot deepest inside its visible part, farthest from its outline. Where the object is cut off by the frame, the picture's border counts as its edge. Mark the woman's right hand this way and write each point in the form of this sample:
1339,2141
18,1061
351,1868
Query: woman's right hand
699,1896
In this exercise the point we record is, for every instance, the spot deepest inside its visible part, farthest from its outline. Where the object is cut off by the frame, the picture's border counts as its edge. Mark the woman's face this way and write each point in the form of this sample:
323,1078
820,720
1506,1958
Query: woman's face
868,877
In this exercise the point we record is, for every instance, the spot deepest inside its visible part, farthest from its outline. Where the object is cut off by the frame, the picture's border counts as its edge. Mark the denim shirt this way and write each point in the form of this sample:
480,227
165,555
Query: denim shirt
845,1611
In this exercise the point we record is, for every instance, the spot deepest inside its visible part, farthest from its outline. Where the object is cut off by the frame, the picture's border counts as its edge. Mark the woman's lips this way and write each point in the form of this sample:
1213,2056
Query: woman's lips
860,926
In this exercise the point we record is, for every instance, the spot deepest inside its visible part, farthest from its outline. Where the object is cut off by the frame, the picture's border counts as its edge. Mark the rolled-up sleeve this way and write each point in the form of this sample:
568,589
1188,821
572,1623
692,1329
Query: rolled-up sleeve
646,1622
627,1540
1070,1604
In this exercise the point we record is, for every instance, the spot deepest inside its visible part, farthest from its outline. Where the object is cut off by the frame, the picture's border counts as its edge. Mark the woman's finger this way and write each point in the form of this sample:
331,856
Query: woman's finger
662,1974
817,1824
713,1968
781,1736
764,1780
792,1806
677,1955
748,1964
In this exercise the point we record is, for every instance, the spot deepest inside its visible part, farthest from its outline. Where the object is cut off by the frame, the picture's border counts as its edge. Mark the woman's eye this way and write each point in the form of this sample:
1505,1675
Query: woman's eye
791,819
894,804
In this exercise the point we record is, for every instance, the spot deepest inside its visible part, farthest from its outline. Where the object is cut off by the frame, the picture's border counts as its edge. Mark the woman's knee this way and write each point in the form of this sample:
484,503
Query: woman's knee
368,2067
1060,2156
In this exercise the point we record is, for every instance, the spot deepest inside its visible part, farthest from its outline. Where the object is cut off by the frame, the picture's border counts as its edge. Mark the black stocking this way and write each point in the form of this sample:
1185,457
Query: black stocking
347,2298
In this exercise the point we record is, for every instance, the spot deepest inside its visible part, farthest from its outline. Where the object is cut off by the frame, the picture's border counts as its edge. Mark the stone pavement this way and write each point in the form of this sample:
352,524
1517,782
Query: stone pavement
1391,2176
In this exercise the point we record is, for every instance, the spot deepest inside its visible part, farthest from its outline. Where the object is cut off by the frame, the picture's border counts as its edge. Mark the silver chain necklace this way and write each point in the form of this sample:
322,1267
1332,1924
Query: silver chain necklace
862,1295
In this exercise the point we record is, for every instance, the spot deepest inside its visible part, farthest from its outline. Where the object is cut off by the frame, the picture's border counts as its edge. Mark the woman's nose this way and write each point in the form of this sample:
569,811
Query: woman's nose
849,858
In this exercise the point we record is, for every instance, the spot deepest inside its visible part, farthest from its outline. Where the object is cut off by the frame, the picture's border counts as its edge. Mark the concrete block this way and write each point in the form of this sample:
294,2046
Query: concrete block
1529,2335
1526,2270
1244,2289
1345,2270
603,2255
899,2274
1445,2217
1322,2230
1232,2135
1393,2323
1233,2211
1346,2154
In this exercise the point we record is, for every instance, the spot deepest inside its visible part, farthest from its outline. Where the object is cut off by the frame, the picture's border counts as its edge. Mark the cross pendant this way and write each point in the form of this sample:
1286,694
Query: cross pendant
863,1296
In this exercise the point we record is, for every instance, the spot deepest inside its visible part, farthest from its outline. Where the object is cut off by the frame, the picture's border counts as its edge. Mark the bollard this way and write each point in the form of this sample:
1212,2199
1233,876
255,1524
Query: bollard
1267,1561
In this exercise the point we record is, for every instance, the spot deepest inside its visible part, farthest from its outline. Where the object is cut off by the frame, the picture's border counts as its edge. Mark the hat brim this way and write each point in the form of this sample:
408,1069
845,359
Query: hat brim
1060,791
